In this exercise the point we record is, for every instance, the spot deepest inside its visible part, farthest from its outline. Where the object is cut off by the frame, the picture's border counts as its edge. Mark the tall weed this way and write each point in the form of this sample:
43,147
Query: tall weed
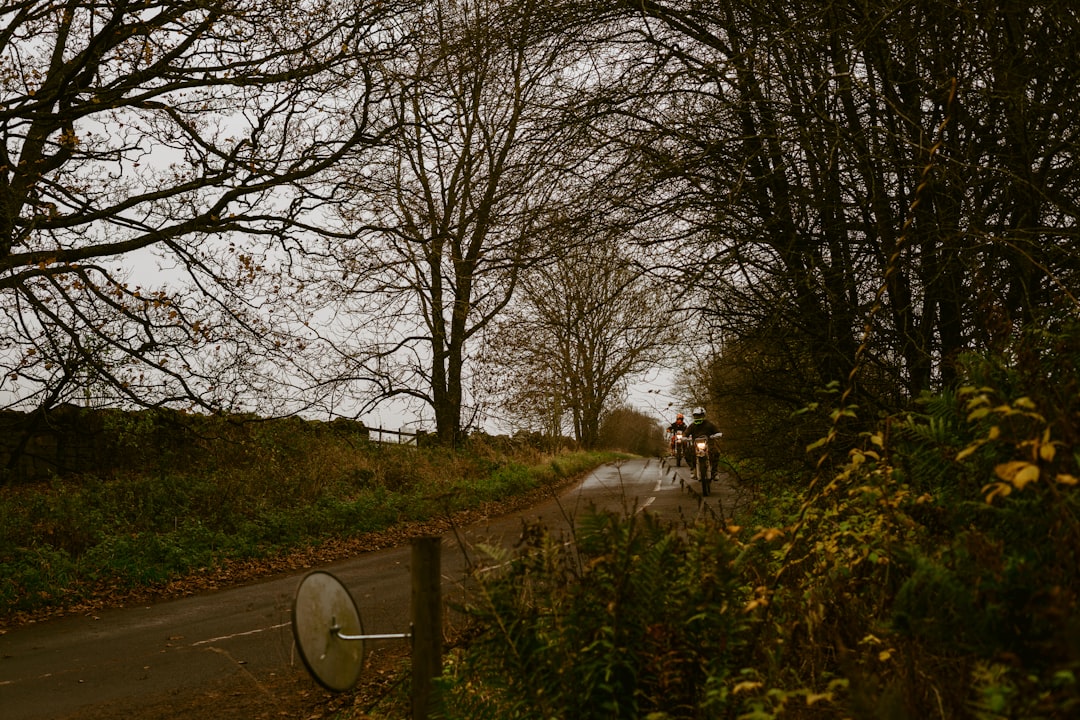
635,619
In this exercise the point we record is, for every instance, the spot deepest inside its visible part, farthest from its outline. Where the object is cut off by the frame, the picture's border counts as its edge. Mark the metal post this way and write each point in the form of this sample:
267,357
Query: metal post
427,622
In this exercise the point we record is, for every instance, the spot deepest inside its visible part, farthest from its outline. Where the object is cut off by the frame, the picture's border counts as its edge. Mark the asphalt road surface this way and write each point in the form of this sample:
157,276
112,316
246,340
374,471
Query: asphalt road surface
223,645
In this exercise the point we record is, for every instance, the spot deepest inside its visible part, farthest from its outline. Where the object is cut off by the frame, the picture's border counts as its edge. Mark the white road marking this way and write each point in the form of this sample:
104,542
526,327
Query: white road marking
650,500
236,635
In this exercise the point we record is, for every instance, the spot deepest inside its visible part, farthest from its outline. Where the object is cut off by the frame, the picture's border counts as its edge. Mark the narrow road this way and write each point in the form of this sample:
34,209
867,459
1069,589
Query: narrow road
230,653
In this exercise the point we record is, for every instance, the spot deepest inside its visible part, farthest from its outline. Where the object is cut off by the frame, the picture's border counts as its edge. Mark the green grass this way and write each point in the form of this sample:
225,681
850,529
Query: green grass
68,540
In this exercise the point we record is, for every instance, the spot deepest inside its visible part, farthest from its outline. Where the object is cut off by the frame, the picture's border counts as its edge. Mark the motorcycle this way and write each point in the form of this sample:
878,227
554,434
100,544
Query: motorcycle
701,461
679,447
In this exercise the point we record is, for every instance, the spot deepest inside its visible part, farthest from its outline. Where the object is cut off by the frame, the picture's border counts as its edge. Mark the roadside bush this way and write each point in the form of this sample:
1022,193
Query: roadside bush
636,618
936,568
631,430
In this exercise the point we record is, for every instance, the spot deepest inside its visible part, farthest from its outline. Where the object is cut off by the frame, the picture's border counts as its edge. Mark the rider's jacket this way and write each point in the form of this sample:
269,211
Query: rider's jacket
701,427
676,427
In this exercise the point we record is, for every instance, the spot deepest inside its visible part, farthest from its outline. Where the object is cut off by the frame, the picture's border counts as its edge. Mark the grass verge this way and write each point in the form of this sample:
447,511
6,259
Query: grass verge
74,543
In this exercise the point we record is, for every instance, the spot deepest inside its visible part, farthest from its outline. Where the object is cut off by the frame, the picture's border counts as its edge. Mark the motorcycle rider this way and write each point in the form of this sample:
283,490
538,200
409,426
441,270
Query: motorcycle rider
678,426
701,426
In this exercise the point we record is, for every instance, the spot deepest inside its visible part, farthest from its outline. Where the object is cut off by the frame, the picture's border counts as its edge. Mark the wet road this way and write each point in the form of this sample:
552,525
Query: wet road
241,637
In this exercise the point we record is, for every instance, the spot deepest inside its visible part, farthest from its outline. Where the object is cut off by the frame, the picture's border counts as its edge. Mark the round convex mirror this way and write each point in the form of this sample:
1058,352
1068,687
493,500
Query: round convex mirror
323,612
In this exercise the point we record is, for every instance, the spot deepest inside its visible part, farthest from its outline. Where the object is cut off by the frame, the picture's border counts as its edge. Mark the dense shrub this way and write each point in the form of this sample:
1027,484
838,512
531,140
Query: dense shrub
937,568
635,618
632,431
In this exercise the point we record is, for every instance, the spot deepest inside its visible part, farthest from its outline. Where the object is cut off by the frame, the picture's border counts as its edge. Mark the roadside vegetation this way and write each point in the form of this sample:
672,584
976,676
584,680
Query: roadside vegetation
849,230
928,568
243,500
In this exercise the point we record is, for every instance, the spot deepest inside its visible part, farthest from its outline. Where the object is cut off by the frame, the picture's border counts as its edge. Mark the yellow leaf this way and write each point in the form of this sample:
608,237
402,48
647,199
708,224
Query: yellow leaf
994,433
1008,471
1047,451
754,605
1066,479
1025,403
885,655
967,451
746,686
1026,475
812,698
768,534
1002,489
759,601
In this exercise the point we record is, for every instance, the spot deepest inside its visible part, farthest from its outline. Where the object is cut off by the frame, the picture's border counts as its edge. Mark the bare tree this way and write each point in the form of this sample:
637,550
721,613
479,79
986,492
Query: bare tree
586,324
837,164
136,138
447,219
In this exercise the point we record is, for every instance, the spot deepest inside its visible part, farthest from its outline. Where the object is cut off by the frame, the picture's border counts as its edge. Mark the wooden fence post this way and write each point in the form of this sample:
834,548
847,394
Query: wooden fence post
427,622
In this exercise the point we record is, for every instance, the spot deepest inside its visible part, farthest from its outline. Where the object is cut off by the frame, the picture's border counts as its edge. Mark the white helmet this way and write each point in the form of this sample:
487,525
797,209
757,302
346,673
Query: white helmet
699,412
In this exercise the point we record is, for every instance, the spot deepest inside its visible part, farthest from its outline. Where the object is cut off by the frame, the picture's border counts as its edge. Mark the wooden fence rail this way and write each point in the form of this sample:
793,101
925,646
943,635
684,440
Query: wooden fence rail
404,437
